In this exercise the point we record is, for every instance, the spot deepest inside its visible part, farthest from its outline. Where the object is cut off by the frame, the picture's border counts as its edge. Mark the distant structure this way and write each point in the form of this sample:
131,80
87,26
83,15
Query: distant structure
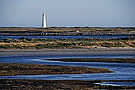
43,21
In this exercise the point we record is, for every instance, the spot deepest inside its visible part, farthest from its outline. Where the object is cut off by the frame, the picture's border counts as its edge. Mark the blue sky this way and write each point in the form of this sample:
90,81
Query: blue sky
67,13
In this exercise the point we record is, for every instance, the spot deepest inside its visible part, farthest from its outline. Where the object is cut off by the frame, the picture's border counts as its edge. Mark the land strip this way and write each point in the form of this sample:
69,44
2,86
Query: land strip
55,31
34,69
112,60
6,84
100,51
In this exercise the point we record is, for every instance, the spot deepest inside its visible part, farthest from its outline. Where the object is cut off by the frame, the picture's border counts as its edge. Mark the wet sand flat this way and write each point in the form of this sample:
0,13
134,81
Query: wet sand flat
7,52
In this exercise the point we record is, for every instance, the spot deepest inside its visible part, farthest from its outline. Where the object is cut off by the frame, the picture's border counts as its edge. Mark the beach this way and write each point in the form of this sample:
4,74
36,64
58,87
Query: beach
92,51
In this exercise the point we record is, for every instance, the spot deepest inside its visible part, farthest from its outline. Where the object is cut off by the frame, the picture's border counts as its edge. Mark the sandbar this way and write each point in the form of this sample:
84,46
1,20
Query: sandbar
7,69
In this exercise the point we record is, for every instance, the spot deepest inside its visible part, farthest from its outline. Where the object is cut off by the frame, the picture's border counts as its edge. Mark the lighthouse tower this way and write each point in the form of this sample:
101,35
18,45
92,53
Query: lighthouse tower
43,21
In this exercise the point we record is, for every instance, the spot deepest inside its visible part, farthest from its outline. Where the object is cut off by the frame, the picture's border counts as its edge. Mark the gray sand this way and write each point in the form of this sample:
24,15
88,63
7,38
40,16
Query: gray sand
4,52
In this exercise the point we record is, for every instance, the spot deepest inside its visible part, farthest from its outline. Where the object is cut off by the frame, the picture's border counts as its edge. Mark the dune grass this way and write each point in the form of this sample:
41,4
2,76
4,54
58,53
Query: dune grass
24,43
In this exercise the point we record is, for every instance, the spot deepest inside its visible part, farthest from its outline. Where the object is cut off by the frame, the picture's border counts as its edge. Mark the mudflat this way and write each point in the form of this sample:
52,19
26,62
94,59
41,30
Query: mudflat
34,69
6,84
112,60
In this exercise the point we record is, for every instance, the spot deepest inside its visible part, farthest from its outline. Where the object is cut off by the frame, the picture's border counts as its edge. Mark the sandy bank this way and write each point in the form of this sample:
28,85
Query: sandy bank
93,51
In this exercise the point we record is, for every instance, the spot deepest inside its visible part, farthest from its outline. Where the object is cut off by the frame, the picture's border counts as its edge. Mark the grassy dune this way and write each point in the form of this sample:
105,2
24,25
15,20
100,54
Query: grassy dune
24,43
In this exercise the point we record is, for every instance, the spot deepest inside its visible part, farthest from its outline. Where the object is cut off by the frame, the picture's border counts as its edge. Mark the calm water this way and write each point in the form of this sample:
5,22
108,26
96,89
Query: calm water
122,71
62,37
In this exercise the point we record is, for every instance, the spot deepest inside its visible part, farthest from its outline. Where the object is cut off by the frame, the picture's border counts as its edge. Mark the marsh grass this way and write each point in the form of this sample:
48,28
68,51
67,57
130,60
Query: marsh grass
24,43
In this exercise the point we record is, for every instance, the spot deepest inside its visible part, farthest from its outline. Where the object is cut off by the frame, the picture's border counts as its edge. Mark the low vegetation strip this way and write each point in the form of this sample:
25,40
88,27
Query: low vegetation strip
112,60
22,31
24,43
34,69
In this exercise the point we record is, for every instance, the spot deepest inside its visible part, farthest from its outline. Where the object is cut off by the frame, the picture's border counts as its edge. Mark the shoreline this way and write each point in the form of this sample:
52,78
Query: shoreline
92,51
74,49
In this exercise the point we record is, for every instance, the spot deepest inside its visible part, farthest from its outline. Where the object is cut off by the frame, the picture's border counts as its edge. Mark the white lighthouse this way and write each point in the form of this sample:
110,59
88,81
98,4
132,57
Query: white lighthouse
43,21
